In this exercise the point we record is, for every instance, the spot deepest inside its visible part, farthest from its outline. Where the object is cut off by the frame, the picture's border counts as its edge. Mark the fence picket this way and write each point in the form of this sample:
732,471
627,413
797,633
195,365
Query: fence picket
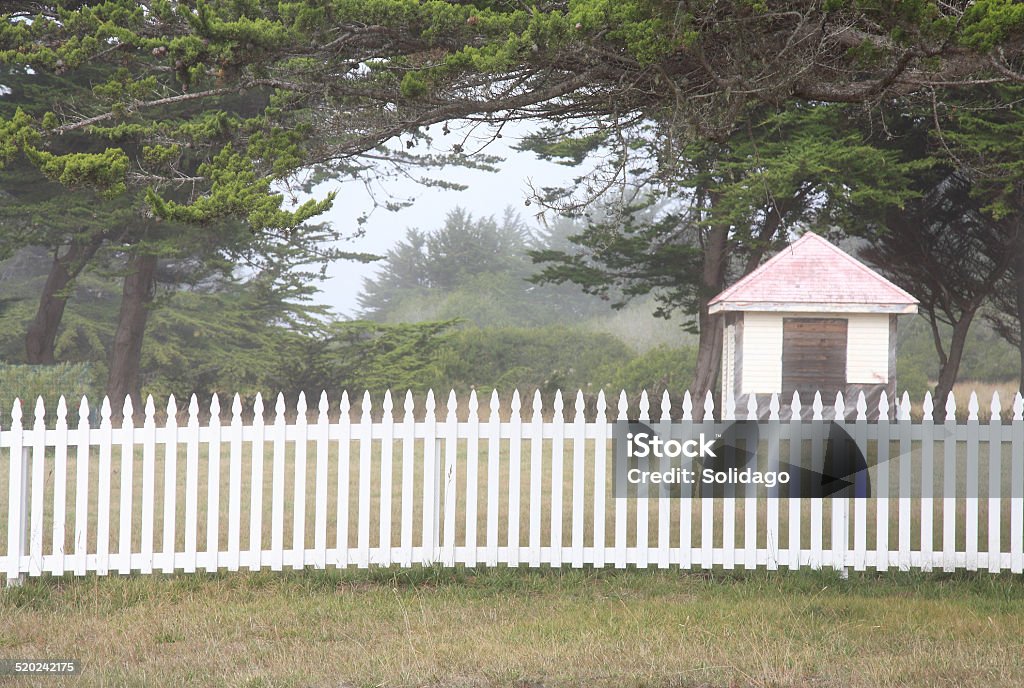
882,503
452,521
322,469
643,500
795,503
148,485
81,488
408,468
995,465
817,503
862,481
299,499
664,503
750,504
387,446
1017,486
472,479
906,469
600,479
60,477
772,543
686,502
35,546
707,504
17,499
103,491
493,457
515,467
213,488
729,501
840,506
927,484
949,487
578,502
620,503
192,486
536,444
235,486
431,484
344,460
277,487
363,522
557,479
256,486
124,531
451,482
971,485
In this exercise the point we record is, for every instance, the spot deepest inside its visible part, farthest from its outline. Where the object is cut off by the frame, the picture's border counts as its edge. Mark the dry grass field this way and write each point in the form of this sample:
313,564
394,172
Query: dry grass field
522,628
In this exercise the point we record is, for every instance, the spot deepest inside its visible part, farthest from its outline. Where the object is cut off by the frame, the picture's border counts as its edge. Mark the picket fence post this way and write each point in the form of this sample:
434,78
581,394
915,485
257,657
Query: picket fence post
927,483
1017,488
431,485
17,500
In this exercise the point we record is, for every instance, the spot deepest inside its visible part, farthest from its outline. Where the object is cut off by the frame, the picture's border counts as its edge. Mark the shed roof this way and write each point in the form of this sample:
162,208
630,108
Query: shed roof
813,275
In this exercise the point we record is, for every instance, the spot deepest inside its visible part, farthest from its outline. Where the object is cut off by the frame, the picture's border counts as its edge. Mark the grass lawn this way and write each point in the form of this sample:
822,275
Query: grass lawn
522,628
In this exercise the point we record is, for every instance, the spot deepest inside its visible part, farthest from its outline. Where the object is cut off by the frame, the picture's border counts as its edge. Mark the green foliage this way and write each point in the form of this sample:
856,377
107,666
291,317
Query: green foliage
238,191
15,133
798,165
105,170
471,269
29,382
359,356
987,357
660,368
988,22
547,358
643,27
413,85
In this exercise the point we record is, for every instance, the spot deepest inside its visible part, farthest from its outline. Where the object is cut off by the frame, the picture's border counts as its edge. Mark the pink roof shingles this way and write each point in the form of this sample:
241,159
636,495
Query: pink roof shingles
812,275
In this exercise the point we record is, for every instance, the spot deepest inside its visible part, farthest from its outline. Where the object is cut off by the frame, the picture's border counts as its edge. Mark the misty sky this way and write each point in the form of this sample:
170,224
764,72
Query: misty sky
489,193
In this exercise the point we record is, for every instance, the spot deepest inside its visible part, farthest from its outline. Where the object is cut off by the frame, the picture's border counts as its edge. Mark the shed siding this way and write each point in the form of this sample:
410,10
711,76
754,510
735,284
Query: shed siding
728,358
867,355
761,371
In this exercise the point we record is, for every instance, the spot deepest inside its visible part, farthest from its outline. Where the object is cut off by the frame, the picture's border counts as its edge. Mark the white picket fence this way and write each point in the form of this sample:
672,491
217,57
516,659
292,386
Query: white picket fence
360,487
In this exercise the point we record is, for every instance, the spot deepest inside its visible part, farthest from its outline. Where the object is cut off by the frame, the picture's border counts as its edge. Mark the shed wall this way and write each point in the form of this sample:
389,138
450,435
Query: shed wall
867,354
728,358
760,350
762,353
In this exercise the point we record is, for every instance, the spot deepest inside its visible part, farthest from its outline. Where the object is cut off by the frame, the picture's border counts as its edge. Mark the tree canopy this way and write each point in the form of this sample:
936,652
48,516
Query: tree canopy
201,111
214,98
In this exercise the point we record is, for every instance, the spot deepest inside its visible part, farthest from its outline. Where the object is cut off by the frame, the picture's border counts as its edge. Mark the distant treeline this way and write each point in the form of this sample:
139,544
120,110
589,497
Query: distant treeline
447,309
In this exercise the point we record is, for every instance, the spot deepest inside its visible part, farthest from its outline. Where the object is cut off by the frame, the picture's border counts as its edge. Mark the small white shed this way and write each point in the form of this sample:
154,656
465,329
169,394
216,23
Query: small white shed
811,318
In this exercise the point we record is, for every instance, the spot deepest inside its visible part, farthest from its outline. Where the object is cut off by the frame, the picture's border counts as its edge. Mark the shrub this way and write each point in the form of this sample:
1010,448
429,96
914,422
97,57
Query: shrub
656,370
28,382
545,358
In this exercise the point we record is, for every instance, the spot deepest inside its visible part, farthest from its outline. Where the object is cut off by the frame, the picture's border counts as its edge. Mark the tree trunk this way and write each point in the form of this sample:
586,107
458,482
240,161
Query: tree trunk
709,346
949,369
709,359
42,331
126,350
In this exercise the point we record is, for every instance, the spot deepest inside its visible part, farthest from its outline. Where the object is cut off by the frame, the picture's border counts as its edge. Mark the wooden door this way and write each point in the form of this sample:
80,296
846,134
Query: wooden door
813,358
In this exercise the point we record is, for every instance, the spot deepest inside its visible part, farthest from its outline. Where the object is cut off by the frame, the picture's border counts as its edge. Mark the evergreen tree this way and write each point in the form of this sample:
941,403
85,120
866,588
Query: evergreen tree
982,133
475,269
697,215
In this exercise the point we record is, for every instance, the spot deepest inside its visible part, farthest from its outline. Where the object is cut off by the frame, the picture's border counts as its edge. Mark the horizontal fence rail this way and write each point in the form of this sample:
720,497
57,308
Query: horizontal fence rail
516,485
